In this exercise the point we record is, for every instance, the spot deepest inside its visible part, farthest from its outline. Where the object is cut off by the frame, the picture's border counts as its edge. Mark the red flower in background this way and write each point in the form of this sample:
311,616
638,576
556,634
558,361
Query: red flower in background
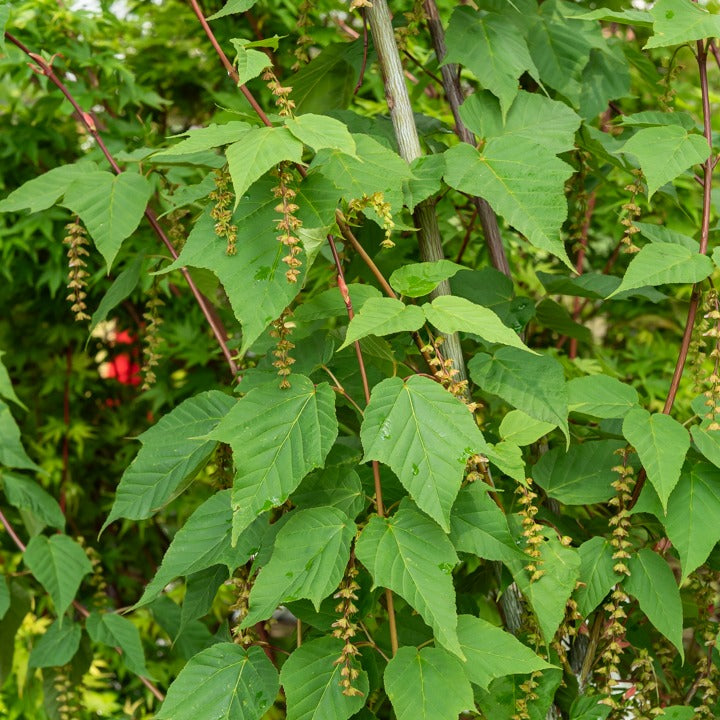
122,367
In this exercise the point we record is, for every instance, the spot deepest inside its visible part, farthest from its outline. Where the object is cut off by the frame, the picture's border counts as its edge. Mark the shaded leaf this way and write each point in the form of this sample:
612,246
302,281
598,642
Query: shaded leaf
661,444
122,287
652,583
12,452
110,206
383,316
311,680
7,390
224,681
57,646
26,494
425,435
601,396
172,452
428,684
4,596
200,591
59,565
338,486
409,554
117,631
309,558
277,436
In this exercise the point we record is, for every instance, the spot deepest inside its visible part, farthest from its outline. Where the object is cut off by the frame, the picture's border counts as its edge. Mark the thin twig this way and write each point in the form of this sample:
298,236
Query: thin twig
87,120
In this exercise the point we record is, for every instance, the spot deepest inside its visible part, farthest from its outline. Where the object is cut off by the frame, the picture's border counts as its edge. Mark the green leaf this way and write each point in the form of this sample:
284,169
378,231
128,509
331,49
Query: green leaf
308,561
429,684
425,435
518,427
522,182
596,574
606,77
641,18
492,653
254,279
660,233
665,152
321,131
231,7
660,263
548,595
206,138
532,117
706,441
418,279
204,541
328,81
383,316
57,646
661,444
533,384
172,453
278,437
110,206
652,118
374,169
588,707
258,151
45,190
556,317
26,494
652,583
4,16
59,565
409,554
601,396
200,591
117,631
329,303
581,476
4,596
6,387
122,287
479,526
451,314
679,21
225,681
12,452
336,486
20,605
311,680
500,701
692,522
427,171
248,61
493,49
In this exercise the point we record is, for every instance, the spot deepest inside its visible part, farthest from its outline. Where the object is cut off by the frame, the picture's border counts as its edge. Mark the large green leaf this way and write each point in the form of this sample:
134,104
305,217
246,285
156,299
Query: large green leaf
204,541
479,526
26,494
57,646
231,7
225,681
418,279
110,206
581,476
532,117
492,653
652,583
412,556
12,452
277,436
451,314
533,384
665,152
59,565
383,316
660,263
172,452
258,151
205,138
661,444
321,131
254,278
308,561
606,77
523,183
601,396
548,595
425,435
117,631
680,21
311,680
596,574
493,49
45,190
429,684
692,522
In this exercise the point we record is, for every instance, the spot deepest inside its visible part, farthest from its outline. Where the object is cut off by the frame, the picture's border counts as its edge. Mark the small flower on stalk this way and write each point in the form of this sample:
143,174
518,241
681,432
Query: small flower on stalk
76,242
222,210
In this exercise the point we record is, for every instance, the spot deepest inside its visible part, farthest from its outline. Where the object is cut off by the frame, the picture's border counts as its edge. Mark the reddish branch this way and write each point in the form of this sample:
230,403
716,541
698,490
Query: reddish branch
40,66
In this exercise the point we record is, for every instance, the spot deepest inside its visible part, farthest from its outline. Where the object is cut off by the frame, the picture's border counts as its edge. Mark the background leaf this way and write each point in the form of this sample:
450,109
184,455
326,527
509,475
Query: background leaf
28,495
601,396
57,646
117,631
